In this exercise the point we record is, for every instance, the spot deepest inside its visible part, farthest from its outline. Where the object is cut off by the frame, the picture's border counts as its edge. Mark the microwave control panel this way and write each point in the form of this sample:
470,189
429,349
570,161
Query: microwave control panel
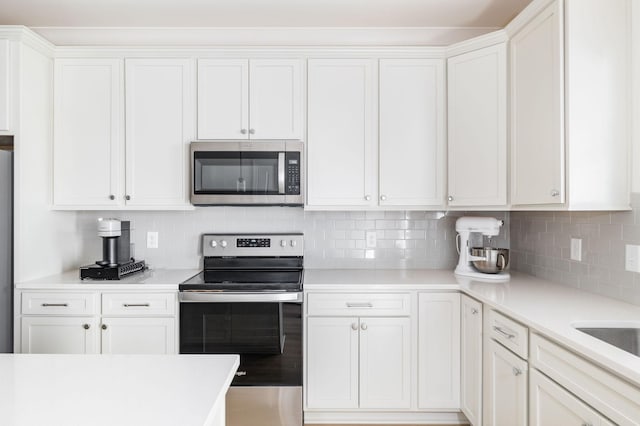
292,160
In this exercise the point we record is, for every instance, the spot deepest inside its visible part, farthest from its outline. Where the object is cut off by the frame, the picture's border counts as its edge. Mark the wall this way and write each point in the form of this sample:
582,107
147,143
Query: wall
332,239
45,240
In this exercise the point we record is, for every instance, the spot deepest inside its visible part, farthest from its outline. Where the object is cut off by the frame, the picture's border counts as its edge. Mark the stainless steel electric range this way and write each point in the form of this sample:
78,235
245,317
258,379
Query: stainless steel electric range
248,301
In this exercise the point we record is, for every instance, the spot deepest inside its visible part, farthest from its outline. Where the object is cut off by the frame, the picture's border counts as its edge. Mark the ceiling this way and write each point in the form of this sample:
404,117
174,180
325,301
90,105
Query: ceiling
260,13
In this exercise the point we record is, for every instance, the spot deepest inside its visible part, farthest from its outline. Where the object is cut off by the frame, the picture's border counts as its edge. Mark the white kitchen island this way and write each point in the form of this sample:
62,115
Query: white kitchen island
88,390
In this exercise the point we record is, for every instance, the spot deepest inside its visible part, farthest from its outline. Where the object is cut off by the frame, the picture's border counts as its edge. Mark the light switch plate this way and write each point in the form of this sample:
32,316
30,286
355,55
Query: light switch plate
152,239
576,249
371,239
632,258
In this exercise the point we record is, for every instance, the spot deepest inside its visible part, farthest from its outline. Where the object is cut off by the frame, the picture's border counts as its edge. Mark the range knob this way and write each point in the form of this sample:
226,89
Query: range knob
293,243
283,243
223,243
213,244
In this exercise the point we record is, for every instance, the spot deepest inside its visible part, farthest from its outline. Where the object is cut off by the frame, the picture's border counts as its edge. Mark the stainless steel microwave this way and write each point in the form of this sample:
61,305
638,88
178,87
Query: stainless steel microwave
230,173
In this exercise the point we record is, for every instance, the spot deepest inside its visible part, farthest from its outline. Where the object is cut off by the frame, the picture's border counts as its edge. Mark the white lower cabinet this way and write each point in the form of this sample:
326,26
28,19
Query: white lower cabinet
439,351
59,335
136,323
358,362
550,404
471,359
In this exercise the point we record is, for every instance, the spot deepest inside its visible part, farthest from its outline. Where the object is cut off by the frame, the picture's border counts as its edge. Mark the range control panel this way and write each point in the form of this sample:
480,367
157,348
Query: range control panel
253,244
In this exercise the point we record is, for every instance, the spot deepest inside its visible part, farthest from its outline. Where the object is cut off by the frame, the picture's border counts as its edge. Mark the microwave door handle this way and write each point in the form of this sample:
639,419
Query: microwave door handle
281,172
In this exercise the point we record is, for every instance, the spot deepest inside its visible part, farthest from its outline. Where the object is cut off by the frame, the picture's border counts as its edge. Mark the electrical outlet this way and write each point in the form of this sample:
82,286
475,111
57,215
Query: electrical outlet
632,258
371,239
152,239
576,249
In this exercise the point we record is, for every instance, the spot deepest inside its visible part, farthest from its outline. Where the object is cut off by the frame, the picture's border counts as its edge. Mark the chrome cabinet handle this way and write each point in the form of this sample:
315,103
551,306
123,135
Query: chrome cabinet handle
383,198
504,333
127,197
48,305
354,326
133,305
450,198
474,311
364,326
359,305
516,371
367,197
104,326
252,131
587,424
243,131
112,197
86,326
555,192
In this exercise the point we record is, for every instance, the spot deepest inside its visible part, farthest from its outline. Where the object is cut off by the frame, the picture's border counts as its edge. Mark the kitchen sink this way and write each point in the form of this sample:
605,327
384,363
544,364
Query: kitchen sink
625,338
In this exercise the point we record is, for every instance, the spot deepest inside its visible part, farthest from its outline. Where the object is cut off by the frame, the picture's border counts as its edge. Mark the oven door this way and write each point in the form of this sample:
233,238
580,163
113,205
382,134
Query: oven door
267,389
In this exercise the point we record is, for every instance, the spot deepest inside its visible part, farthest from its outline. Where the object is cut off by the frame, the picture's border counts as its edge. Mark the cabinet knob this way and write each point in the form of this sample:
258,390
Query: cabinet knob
364,326
354,326
450,198
367,197
516,371
555,192
243,131
127,197
383,198
104,326
86,326
252,131
112,197
474,311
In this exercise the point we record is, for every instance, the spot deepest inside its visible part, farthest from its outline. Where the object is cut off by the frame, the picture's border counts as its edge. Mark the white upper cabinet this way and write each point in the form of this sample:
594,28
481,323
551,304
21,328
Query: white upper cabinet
160,123
88,132
412,132
249,99
477,137
5,87
341,152
570,105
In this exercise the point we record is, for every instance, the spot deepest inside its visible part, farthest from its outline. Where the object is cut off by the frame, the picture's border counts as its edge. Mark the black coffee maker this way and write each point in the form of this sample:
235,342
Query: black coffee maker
116,252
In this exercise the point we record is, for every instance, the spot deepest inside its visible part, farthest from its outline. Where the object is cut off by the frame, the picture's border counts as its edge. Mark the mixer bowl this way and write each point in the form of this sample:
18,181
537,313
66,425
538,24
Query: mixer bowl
495,259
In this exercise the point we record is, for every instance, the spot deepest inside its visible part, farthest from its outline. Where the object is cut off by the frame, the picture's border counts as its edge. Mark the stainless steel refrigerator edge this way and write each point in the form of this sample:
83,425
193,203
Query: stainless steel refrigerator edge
6,244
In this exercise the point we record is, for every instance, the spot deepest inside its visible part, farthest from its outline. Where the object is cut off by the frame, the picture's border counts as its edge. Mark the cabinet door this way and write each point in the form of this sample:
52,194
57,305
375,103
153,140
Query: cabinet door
537,110
412,132
223,99
385,362
505,387
477,137
59,335
88,132
439,350
471,359
341,158
275,101
138,336
159,98
332,363
5,87
551,404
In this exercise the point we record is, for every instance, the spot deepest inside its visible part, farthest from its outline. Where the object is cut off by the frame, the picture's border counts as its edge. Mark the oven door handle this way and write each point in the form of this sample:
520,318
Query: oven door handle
209,297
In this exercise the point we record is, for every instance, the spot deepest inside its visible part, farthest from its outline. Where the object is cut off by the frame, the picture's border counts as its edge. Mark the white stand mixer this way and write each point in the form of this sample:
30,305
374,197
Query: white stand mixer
487,226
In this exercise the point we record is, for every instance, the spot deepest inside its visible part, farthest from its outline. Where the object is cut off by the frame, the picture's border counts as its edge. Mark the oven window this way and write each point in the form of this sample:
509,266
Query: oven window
236,172
267,336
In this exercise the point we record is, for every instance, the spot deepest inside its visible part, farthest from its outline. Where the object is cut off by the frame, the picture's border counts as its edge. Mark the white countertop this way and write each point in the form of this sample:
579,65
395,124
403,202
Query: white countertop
543,306
151,279
95,390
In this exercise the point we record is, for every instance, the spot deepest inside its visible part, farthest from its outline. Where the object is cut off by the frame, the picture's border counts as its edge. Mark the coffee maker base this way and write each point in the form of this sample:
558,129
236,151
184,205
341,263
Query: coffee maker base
97,272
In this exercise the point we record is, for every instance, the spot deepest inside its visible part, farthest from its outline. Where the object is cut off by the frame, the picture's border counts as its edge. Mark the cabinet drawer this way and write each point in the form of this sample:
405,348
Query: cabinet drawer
138,304
612,396
63,303
511,334
359,304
